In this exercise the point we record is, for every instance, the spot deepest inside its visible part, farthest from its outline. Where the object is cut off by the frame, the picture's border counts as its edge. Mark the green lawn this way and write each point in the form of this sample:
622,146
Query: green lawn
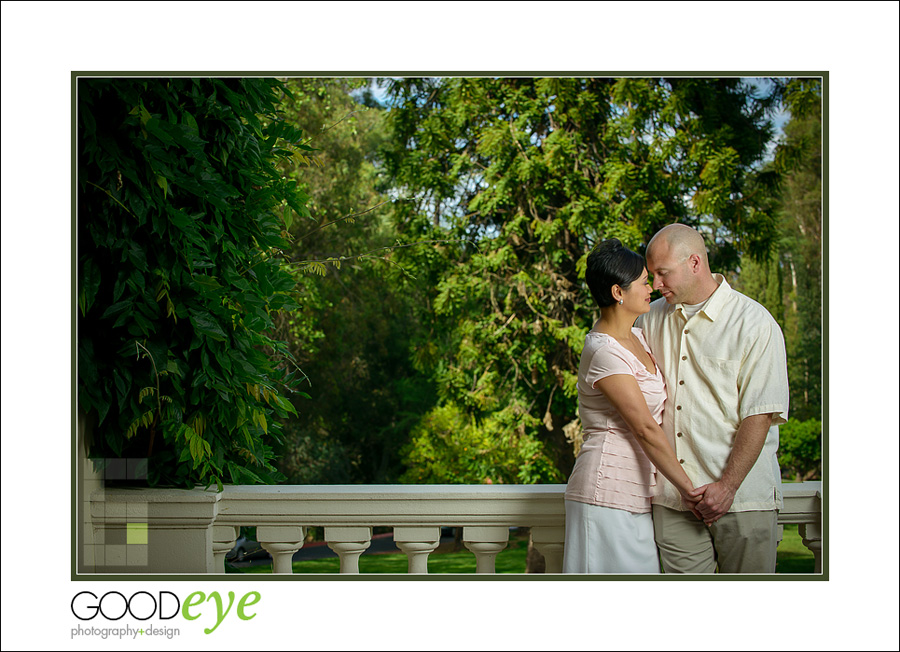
793,557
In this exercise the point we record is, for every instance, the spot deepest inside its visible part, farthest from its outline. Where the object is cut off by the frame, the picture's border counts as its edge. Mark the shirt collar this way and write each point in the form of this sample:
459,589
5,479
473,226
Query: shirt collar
716,301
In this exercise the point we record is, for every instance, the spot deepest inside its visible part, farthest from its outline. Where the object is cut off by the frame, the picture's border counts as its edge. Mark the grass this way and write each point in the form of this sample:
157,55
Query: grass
793,557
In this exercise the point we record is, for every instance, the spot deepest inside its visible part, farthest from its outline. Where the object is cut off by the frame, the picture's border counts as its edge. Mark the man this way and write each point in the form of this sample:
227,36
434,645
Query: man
723,358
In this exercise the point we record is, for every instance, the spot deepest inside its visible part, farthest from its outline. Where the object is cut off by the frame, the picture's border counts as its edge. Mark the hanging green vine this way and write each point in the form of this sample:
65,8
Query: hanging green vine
181,216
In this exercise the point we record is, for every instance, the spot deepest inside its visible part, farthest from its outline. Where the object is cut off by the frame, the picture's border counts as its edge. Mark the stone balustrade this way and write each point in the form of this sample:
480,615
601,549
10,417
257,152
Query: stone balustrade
190,531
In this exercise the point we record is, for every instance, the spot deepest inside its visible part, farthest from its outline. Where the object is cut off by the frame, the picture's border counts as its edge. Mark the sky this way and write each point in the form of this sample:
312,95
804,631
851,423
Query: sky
856,43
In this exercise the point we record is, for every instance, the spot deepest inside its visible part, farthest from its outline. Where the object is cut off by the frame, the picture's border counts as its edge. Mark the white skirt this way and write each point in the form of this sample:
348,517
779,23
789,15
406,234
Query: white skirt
607,540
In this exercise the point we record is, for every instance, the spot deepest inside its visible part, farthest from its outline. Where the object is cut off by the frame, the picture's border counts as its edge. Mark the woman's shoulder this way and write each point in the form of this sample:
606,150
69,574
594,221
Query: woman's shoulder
596,341
639,333
601,348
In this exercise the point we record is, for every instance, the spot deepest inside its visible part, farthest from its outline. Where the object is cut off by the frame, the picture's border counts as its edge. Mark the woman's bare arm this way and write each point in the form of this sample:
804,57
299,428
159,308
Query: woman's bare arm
623,392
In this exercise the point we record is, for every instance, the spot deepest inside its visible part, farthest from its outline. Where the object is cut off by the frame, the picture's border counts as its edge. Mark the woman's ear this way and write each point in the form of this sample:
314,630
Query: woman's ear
616,293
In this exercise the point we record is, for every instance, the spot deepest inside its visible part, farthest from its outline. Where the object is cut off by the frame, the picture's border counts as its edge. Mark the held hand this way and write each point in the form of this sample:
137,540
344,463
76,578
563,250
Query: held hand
695,495
691,499
716,501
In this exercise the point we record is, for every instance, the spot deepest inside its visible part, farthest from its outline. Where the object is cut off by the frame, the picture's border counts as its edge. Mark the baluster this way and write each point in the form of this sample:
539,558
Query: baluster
223,537
349,543
550,542
812,539
417,543
486,543
280,541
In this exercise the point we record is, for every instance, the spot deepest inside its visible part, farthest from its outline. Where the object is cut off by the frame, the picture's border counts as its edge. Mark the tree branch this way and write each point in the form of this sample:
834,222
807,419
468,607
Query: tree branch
346,217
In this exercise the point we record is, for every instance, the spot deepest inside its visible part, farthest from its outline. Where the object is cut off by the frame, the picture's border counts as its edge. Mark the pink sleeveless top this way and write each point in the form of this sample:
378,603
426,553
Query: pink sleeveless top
612,469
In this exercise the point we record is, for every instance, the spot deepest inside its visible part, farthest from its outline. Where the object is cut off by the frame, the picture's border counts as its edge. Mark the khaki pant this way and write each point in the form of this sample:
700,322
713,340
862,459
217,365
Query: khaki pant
739,542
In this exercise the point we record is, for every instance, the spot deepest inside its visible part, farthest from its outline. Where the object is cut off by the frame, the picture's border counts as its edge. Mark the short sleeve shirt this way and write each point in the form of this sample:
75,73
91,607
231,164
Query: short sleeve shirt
612,469
725,363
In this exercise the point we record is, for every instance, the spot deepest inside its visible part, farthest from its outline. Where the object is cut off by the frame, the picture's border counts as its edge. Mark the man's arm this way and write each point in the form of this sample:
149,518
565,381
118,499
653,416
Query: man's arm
748,443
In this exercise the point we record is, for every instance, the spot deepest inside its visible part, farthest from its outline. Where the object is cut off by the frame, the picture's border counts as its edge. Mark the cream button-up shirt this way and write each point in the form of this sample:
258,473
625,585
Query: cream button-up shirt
724,364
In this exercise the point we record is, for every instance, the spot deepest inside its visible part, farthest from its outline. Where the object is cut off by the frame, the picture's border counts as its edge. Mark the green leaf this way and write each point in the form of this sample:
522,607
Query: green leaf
207,283
196,446
206,324
285,404
180,219
90,283
191,122
117,307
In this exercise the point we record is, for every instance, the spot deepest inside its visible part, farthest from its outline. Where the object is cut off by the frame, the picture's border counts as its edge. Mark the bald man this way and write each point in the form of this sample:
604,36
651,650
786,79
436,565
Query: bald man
722,355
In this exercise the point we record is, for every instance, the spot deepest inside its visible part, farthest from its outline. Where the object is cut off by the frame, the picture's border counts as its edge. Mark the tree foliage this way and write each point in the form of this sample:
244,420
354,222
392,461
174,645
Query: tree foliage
800,449
352,336
789,281
531,173
422,265
181,214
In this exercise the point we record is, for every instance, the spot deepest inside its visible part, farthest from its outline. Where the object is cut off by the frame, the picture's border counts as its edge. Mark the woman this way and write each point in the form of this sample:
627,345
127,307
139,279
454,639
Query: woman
620,400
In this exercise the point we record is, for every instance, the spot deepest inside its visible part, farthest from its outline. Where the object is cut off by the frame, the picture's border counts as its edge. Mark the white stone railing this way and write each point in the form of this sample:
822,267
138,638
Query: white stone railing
189,531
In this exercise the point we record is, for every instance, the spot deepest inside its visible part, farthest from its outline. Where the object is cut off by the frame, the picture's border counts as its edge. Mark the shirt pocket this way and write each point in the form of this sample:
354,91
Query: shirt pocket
721,377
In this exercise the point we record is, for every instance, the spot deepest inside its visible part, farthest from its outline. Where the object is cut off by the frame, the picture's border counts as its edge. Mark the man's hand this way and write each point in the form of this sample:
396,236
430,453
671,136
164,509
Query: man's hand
716,501
748,442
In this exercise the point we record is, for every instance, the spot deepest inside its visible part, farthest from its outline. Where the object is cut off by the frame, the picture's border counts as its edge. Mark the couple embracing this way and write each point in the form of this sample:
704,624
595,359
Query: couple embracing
680,402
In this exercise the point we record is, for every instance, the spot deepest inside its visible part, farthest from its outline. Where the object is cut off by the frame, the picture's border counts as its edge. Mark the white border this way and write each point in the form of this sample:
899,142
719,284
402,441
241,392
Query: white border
857,43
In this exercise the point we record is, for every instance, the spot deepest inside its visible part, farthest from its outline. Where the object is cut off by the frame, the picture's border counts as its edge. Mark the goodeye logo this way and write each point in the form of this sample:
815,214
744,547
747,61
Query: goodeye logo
165,605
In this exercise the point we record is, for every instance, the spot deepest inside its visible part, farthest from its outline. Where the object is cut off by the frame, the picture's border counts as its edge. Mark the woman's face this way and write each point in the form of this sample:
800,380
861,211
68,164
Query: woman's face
637,297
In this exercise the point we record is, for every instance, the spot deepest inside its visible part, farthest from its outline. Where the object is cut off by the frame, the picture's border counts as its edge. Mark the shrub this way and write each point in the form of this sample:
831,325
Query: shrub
800,449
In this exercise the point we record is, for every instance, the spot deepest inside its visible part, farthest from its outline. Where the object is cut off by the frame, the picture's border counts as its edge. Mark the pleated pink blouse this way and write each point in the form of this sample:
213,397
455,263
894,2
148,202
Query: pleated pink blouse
612,469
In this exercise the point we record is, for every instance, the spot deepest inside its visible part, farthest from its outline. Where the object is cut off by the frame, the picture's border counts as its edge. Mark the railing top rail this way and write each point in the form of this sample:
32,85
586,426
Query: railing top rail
808,488
791,491
392,492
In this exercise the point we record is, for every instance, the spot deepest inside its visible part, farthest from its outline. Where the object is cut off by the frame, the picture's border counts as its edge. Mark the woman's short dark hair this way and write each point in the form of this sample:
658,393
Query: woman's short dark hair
611,264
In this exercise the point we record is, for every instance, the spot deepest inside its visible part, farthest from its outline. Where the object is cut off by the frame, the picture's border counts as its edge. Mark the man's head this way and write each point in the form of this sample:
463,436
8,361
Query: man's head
676,256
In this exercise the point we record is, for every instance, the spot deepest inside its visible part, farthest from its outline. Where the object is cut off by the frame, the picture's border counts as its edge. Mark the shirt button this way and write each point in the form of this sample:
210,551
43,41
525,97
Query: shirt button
678,407
681,461
686,332
684,357
681,382
680,434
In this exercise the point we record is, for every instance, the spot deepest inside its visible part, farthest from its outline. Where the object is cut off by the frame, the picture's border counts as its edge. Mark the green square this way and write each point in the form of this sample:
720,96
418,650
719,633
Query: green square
137,533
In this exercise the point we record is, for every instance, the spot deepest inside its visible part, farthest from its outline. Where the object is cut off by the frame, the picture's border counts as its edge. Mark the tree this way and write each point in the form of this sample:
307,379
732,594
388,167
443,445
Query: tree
801,215
178,276
351,336
531,173
789,281
800,449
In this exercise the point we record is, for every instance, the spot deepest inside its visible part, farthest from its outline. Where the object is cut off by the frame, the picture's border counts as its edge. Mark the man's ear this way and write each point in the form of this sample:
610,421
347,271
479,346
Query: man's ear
694,263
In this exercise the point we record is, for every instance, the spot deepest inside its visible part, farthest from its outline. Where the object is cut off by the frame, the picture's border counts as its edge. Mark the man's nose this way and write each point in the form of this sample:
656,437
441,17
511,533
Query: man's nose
656,283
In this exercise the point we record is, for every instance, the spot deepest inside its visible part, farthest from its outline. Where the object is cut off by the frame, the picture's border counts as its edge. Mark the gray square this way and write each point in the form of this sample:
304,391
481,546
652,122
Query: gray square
116,469
137,468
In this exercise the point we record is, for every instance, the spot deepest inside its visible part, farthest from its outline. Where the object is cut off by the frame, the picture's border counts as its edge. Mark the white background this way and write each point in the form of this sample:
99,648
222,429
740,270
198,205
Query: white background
857,43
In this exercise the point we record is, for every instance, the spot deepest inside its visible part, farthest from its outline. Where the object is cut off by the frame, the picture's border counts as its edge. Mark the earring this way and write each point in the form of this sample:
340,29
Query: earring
621,301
